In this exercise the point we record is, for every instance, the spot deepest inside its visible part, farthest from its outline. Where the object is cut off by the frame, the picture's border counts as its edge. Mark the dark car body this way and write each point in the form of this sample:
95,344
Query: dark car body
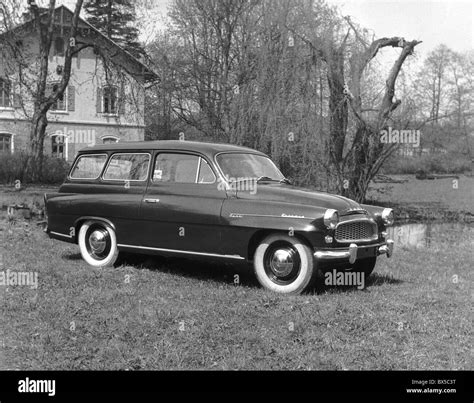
214,220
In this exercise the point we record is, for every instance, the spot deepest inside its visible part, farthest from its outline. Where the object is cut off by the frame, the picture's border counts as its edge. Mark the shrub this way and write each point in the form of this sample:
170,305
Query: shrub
13,167
54,170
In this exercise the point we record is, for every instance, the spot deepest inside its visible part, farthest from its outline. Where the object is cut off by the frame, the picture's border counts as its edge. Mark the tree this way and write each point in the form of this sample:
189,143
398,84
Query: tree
444,94
29,68
291,78
115,19
355,122
35,77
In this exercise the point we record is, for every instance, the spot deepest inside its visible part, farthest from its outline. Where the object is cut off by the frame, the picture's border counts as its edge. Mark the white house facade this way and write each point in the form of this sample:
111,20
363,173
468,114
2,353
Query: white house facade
104,102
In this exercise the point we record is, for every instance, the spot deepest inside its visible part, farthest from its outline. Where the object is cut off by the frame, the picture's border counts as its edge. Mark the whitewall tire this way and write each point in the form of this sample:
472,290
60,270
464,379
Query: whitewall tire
98,244
284,264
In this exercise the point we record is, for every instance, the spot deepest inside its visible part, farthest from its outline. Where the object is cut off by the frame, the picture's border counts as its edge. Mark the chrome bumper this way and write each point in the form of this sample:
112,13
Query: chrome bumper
351,253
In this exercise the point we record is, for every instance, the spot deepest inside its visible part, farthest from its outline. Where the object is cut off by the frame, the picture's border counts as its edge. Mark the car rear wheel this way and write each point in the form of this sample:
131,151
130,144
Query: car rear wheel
98,244
283,264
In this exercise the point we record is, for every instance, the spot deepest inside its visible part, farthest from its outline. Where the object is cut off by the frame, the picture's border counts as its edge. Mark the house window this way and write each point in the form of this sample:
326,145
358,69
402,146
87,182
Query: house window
5,93
109,100
5,143
109,140
60,104
59,46
58,146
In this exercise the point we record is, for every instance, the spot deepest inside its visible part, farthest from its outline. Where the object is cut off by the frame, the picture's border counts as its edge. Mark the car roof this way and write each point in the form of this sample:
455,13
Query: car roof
209,149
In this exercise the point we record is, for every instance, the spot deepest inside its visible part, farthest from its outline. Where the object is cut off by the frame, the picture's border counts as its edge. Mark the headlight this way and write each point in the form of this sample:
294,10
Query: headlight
388,217
331,218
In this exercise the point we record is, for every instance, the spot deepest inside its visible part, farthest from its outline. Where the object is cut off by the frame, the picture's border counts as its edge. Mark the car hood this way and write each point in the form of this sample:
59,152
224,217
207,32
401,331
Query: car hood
298,195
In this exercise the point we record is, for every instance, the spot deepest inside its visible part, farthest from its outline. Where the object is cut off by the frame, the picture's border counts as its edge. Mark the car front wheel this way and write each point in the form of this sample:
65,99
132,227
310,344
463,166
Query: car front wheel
283,264
98,244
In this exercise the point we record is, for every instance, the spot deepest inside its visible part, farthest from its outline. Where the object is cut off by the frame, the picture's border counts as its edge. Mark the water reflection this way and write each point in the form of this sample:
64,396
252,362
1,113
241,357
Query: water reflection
430,235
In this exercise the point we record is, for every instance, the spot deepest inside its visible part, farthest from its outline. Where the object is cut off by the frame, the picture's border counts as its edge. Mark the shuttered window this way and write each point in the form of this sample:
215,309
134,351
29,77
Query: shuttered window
5,143
66,102
60,104
110,100
5,93
58,146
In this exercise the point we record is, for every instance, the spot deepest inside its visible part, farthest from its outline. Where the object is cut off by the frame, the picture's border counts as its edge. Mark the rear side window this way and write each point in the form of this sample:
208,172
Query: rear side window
88,166
128,167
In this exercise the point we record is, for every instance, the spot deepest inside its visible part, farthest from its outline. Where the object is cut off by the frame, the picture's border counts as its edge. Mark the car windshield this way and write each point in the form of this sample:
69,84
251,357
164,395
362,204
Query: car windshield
241,166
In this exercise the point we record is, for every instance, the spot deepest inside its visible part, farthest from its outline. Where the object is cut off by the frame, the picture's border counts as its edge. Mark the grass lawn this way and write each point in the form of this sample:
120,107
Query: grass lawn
172,314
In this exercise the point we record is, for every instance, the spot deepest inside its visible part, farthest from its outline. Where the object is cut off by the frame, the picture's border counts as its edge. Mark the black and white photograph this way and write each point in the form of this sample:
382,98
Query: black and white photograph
197,190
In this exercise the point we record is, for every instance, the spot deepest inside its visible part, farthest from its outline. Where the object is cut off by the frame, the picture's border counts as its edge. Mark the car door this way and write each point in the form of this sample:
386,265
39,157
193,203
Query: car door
116,196
181,208
122,187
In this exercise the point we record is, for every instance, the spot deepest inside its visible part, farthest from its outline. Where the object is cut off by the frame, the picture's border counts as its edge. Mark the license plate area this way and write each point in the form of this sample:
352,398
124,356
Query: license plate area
365,252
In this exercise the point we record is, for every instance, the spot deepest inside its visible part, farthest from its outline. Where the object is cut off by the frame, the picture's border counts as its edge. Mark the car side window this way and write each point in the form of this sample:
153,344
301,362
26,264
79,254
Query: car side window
179,168
128,167
88,166
205,173
182,168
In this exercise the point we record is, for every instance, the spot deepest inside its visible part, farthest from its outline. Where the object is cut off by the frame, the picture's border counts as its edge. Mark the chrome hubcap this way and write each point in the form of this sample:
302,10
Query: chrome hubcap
98,241
282,262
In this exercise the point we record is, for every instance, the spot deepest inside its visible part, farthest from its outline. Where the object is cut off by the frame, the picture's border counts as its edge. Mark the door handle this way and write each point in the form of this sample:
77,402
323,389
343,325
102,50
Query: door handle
152,201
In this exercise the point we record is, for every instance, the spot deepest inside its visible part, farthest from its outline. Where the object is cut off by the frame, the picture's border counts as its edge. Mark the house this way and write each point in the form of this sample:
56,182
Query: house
103,103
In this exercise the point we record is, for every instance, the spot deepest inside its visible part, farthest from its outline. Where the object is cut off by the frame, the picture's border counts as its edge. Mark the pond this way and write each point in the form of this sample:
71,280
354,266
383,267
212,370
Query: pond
433,235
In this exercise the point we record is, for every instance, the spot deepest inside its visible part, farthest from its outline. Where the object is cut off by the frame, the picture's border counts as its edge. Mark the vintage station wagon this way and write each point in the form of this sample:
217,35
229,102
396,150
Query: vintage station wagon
219,201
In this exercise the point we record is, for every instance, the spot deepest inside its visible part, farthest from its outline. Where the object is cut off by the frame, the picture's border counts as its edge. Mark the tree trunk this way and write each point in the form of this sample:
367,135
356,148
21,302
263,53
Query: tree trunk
338,118
34,168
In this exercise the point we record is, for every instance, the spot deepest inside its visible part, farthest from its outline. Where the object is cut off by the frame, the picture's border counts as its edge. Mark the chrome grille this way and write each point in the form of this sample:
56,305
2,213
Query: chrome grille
356,230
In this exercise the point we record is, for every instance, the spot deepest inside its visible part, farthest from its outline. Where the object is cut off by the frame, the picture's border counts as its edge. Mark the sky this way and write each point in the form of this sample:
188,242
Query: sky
431,21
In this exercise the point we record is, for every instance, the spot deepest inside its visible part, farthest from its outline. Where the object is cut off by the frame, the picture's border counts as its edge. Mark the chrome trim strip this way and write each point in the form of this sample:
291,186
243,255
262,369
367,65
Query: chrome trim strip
198,169
350,253
183,252
63,235
241,215
387,249
374,245
357,219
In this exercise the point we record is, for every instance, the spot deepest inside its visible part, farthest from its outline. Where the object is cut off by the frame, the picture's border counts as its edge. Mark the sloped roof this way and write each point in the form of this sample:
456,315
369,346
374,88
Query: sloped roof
84,29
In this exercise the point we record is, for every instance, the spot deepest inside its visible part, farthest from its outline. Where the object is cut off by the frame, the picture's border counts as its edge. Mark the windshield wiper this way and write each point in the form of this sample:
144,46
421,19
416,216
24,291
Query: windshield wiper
262,179
266,179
